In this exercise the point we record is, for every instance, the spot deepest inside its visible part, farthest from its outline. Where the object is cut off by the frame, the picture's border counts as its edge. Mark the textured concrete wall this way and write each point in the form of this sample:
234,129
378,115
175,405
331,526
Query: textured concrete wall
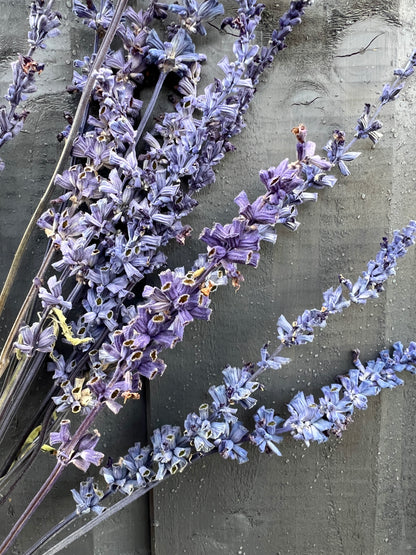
348,496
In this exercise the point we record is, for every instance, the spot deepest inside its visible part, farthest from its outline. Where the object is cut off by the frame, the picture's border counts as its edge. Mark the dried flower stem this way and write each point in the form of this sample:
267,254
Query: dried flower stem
33,505
150,106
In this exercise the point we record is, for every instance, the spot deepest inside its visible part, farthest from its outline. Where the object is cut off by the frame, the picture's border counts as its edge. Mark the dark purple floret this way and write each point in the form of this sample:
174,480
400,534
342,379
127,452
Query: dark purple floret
281,180
335,149
260,212
390,93
367,128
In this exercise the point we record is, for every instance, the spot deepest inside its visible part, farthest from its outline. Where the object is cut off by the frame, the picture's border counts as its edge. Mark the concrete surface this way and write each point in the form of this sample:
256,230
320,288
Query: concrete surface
350,496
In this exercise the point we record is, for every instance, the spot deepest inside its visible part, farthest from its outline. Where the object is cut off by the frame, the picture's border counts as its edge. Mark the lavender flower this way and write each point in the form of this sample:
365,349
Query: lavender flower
358,389
44,23
94,18
238,387
53,297
32,338
169,451
307,423
82,454
233,243
201,431
221,404
229,447
264,436
335,149
88,498
175,55
192,14
306,420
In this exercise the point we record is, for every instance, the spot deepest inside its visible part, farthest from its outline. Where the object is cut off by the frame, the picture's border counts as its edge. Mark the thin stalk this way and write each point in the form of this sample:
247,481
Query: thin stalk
52,532
14,393
150,106
79,115
50,481
110,511
58,527
20,466
33,505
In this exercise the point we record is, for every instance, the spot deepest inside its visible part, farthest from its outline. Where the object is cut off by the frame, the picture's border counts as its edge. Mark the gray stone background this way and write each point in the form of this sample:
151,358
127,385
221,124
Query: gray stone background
349,496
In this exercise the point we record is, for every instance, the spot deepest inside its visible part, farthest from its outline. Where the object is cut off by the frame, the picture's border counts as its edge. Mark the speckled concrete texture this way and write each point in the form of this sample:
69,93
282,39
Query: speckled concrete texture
350,496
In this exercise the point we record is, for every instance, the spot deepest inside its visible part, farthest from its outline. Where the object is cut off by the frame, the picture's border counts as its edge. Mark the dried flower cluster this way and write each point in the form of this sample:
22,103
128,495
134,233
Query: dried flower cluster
124,197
